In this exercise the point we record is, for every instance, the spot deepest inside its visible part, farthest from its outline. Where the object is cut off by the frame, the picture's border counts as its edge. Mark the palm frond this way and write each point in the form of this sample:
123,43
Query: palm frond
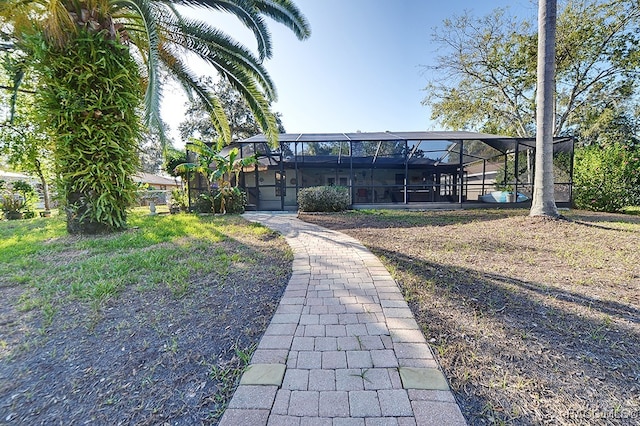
147,15
257,103
218,49
246,12
191,84
286,13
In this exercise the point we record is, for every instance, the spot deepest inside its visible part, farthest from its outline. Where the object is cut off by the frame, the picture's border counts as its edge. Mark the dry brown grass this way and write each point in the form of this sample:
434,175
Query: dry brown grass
533,321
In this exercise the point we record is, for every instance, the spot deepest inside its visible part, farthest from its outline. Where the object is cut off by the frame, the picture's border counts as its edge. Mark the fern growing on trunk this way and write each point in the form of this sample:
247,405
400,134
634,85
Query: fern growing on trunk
90,100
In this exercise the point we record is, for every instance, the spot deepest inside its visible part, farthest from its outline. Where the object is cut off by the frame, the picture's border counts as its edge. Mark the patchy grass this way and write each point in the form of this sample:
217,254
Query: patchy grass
130,327
533,321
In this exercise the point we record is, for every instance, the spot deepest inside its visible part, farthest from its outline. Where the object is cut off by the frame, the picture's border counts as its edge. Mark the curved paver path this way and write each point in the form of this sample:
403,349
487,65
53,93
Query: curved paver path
343,348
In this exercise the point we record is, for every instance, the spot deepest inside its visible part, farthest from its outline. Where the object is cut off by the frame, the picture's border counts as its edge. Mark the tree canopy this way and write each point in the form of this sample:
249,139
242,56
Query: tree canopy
98,59
198,122
485,76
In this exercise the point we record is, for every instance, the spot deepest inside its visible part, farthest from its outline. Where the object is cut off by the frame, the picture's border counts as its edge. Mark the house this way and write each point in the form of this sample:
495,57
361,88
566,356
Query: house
157,182
433,169
156,188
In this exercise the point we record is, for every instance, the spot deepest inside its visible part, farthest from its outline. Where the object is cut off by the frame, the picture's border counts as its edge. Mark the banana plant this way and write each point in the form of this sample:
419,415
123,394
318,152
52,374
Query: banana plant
220,170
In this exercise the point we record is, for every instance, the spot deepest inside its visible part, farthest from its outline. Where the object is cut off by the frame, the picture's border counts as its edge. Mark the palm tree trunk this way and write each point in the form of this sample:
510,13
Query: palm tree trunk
543,198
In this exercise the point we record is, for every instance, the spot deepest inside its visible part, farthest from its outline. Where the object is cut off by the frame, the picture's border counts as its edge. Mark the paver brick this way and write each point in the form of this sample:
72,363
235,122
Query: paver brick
341,309
428,413
253,397
304,403
314,330
371,342
309,360
319,310
263,374
359,359
397,312
349,379
281,420
364,404
430,395
381,421
295,379
316,421
326,344
375,328
412,350
347,343
407,336
334,359
384,358
395,402
301,343
376,379
286,318
269,356
309,319
335,330
322,380
334,404
281,329
348,421
239,417
275,342
402,323
281,404
356,330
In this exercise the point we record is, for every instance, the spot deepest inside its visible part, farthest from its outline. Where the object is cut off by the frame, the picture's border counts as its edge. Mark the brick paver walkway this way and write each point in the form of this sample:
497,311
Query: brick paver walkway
343,348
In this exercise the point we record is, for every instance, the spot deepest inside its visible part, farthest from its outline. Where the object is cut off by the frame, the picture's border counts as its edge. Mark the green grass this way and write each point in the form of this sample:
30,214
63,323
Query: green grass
634,210
53,268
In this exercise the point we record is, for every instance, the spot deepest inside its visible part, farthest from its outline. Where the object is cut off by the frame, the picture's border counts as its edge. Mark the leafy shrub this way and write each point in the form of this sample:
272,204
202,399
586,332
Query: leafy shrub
324,199
18,197
180,199
607,178
203,203
235,201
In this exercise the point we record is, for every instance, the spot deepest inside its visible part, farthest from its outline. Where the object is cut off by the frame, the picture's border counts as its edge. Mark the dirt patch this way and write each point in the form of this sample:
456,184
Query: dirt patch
147,357
533,321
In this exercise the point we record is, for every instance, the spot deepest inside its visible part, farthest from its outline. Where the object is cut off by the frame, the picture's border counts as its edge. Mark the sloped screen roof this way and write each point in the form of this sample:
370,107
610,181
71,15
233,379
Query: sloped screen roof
501,143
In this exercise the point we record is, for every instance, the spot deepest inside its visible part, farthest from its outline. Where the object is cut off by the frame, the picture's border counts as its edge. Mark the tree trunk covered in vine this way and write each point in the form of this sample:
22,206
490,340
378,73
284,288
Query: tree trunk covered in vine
90,99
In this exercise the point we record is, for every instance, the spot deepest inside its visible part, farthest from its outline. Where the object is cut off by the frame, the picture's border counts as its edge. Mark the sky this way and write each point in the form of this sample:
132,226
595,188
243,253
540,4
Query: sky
362,69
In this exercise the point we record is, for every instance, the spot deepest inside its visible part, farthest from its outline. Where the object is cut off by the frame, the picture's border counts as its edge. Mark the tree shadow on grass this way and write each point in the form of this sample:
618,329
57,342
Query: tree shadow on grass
521,352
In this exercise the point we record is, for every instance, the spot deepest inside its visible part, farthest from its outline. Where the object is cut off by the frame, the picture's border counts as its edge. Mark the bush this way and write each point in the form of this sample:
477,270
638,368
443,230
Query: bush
179,199
18,197
607,178
203,204
324,199
235,201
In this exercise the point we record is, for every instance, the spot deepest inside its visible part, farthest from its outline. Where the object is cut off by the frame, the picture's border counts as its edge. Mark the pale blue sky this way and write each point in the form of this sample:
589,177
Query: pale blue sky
361,69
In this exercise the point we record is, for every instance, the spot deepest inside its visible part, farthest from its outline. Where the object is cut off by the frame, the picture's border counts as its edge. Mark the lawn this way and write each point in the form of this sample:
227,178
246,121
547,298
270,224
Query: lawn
147,326
533,321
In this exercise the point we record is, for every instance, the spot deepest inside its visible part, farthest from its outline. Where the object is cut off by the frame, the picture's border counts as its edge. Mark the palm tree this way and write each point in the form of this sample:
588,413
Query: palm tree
543,203
157,38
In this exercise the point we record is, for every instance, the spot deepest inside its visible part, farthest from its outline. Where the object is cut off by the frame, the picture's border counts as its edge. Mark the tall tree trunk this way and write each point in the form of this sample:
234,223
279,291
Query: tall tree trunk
45,187
543,198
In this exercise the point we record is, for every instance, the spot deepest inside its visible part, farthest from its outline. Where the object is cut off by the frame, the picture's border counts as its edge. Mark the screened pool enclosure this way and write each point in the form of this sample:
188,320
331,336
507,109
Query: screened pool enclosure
399,169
